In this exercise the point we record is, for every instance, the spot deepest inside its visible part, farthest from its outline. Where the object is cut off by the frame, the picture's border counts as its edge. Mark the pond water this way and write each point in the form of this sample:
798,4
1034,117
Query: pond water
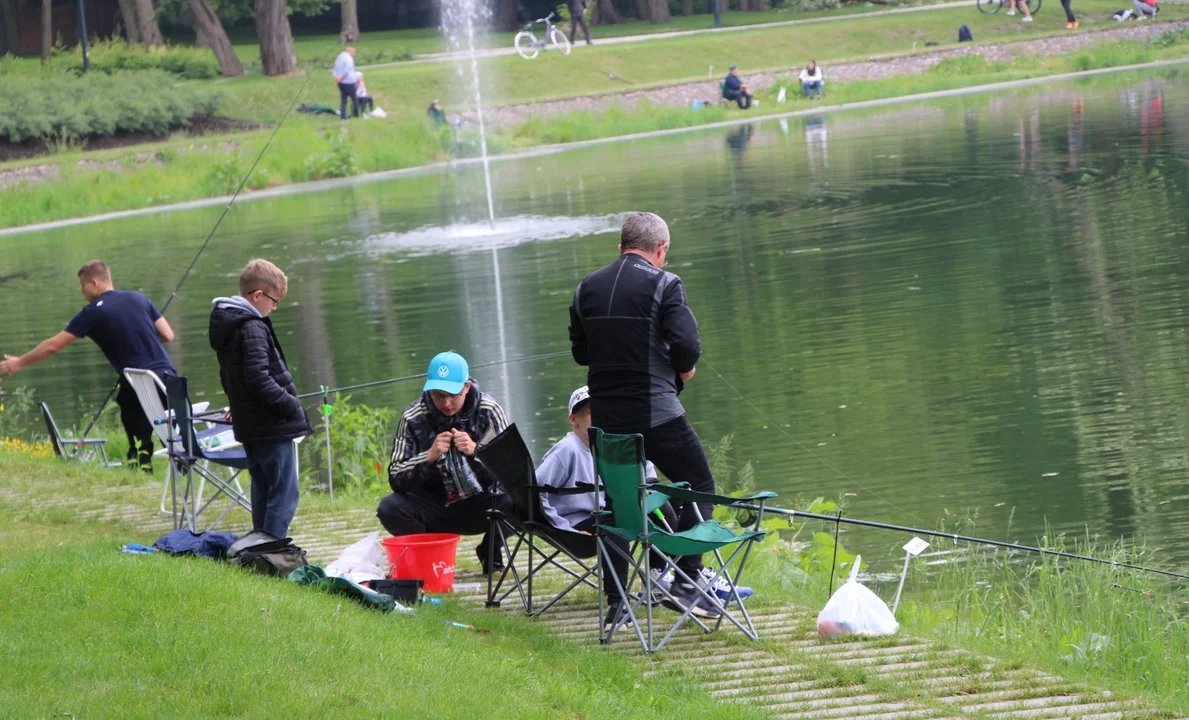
976,303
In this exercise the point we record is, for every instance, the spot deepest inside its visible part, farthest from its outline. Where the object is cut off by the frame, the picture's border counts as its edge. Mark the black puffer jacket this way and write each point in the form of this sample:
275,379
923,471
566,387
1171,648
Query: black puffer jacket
252,368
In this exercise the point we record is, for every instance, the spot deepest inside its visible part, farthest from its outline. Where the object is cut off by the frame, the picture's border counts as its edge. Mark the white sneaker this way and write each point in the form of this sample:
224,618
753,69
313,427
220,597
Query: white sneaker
660,579
1141,17
1027,19
1011,13
722,588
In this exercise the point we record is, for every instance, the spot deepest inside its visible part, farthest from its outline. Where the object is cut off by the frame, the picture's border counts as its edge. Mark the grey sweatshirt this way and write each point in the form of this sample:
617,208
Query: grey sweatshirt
568,464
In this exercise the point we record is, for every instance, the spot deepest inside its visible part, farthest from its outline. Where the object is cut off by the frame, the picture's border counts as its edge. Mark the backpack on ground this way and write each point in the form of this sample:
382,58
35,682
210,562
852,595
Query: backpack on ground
267,554
964,34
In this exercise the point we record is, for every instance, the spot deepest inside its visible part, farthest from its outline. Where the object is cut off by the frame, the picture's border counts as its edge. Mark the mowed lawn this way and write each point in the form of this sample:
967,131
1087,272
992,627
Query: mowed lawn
408,89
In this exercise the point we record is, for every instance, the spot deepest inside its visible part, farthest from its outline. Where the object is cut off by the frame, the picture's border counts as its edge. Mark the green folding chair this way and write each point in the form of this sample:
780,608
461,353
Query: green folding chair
619,471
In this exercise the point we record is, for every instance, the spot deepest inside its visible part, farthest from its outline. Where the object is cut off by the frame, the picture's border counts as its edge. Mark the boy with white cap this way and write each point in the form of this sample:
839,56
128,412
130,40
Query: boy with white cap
437,487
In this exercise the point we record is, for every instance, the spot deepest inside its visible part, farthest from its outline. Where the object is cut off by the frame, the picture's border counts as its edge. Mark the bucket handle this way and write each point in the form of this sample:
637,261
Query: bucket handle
392,565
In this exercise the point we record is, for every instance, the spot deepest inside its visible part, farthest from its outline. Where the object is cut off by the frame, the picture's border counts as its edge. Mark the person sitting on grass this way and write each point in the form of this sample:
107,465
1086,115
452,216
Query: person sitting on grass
735,89
812,80
1145,9
437,486
436,114
365,101
1011,9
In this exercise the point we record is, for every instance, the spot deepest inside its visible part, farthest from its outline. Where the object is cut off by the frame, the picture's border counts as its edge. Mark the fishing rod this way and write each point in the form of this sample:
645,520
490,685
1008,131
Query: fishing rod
209,235
953,536
421,376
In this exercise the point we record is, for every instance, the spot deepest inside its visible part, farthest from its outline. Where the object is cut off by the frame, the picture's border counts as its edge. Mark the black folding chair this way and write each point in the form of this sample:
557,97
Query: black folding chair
507,458
92,449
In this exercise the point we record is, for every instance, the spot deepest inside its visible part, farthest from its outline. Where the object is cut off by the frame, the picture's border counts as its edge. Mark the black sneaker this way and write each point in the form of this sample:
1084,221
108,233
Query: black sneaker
496,568
687,595
615,613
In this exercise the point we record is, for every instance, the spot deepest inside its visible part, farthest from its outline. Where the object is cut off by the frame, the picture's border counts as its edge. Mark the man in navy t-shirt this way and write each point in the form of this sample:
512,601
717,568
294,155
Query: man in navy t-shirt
129,330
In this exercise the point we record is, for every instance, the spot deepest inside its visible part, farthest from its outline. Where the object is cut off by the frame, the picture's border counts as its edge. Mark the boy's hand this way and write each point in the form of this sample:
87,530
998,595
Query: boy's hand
464,443
441,446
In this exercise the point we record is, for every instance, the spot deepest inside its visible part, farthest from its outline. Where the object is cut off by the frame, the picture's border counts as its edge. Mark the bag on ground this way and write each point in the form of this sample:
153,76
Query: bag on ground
964,34
267,554
362,561
855,610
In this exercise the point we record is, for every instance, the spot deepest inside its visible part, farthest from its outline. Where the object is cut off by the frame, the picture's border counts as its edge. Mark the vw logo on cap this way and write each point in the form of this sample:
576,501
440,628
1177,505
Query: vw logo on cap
443,371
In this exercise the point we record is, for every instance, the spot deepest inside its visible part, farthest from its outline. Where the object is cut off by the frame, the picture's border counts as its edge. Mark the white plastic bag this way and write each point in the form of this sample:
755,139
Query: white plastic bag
855,610
364,560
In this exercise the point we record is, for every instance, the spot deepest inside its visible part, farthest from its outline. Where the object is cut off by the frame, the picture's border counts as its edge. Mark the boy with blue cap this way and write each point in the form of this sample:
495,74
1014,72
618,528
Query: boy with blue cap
437,486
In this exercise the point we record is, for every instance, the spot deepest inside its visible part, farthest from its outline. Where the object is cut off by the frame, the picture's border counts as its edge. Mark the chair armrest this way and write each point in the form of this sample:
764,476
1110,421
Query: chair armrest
684,493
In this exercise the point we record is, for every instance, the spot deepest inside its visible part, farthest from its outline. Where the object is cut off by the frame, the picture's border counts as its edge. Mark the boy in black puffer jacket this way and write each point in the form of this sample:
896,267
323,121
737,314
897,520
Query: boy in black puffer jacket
265,412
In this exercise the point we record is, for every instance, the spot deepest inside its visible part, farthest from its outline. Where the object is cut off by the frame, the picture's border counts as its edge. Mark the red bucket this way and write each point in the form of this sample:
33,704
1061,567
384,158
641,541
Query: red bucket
429,557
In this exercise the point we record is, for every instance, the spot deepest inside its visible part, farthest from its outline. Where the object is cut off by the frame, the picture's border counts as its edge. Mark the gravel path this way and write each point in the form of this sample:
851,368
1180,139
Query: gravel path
685,93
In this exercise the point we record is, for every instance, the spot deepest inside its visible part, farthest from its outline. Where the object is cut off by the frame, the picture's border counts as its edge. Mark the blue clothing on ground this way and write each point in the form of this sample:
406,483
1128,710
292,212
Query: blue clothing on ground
273,467
184,542
121,322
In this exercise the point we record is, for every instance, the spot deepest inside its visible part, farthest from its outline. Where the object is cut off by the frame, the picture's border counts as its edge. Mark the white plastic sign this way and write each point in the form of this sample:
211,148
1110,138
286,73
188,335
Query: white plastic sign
915,546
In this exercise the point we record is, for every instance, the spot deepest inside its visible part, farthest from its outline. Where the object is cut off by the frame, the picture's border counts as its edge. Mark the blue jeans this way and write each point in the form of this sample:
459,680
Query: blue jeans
273,467
347,90
813,87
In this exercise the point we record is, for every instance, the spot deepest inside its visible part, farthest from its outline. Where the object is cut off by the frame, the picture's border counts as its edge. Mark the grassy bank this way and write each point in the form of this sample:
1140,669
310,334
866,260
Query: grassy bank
318,147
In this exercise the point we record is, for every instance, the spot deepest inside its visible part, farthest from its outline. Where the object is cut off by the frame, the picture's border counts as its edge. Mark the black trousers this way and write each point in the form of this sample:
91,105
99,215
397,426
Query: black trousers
676,451
575,18
744,100
366,102
347,90
1068,12
418,512
136,426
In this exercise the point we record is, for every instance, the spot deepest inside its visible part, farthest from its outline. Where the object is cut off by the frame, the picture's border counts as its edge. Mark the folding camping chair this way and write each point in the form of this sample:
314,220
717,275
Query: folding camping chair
188,452
619,470
507,458
69,449
150,391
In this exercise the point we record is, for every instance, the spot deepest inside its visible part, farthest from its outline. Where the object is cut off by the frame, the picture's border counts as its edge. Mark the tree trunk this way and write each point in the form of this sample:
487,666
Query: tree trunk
277,56
505,16
211,34
47,30
131,26
350,27
8,18
757,5
146,23
687,7
658,11
641,7
608,15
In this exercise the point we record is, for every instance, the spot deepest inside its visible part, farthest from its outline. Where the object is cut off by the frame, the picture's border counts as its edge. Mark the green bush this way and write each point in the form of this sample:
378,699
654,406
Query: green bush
97,105
364,57
227,173
113,56
339,161
360,446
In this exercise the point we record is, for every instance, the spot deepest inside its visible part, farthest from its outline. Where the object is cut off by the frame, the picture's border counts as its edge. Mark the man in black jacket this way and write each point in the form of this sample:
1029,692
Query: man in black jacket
265,412
578,15
437,487
631,326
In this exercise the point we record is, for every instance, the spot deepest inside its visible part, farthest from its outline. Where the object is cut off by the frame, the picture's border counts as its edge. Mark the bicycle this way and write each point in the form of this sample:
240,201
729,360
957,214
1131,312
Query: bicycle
991,7
528,46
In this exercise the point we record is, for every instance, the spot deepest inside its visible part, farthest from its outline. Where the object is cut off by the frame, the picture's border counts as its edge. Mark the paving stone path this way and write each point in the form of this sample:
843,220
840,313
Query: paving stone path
791,673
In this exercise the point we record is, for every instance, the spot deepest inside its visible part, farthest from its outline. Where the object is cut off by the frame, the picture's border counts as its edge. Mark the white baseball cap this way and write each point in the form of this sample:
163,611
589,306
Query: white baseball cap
578,397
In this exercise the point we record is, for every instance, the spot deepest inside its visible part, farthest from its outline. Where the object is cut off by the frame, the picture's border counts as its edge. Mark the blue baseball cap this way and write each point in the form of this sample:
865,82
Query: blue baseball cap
448,372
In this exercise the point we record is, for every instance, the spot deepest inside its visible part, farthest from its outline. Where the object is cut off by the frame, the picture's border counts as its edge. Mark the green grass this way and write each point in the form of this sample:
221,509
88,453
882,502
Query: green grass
90,632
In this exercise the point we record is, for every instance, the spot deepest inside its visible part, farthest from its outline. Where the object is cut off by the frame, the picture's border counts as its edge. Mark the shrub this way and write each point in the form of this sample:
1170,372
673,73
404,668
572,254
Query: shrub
361,442
339,161
226,174
364,57
97,104
113,56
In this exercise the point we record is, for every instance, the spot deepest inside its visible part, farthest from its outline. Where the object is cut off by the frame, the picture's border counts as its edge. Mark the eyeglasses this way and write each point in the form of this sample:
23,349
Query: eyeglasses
275,302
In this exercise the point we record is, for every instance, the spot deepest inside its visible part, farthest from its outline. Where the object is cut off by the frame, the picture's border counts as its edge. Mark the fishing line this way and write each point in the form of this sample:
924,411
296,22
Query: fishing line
801,445
211,234
421,376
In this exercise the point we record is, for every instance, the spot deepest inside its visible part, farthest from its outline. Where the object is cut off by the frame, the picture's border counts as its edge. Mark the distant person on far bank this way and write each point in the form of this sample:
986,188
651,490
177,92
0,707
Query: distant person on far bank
733,88
1145,9
436,114
130,331
1011,9
365,100
578,15
344,77
812,80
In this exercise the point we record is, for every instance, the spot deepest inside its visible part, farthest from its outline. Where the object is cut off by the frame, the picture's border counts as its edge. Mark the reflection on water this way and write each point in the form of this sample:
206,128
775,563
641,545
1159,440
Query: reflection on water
969,304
